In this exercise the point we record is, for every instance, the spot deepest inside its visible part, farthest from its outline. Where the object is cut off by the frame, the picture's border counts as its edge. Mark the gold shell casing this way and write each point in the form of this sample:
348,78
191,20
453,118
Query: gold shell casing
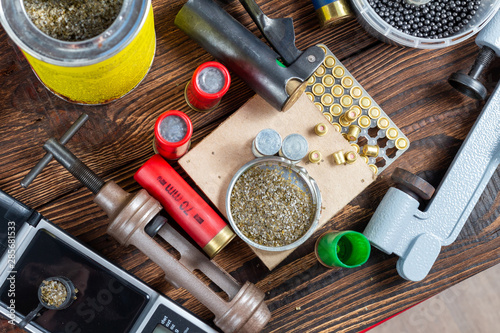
219,241
334,13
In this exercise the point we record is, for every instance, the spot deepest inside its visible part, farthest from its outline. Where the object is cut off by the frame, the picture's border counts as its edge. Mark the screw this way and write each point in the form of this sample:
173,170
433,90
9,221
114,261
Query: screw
468,84
76,167
311,58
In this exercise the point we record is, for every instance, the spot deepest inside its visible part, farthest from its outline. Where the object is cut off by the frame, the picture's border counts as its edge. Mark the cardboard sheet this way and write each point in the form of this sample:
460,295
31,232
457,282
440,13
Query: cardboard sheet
214,161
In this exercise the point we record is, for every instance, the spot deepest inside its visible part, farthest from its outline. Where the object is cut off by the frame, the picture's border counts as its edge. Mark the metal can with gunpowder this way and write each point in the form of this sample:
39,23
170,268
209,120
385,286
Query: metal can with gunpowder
78,67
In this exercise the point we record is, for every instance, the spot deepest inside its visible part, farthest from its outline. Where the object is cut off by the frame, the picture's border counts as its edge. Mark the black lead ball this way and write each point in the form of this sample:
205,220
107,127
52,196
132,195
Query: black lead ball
436,19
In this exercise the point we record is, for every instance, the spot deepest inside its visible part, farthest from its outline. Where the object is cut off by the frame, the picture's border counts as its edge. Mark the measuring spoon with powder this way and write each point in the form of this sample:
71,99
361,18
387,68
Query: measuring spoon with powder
54,293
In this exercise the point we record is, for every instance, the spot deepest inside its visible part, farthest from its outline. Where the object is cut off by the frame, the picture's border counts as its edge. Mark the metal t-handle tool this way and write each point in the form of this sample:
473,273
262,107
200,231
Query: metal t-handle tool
135,219
48,156
398,226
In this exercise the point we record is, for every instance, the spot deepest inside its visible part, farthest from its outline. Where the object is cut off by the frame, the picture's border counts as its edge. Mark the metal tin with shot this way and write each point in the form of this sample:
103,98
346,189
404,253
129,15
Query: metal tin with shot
410,23
273,204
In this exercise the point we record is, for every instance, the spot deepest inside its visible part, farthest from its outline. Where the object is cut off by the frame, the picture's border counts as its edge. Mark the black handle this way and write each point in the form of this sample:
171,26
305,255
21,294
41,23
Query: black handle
30,316
278,32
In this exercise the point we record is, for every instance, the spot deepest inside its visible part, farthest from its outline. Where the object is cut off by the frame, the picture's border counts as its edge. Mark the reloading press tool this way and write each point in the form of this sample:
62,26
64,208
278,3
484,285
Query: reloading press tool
398,226
135,219
279,77
416,236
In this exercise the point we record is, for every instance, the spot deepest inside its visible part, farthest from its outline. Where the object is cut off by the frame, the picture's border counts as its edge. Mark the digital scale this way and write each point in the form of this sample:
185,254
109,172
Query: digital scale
109,299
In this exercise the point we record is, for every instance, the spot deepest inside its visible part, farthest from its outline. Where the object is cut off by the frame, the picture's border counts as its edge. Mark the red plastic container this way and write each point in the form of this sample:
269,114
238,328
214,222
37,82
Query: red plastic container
209,83
184,205
173,146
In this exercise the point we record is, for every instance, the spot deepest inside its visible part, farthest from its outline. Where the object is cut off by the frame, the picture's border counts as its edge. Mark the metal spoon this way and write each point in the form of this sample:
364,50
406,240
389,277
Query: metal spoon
70,297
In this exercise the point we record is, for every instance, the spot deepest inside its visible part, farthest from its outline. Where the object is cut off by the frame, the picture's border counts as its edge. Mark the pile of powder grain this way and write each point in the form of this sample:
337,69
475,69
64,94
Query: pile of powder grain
53,293
73,20
269,209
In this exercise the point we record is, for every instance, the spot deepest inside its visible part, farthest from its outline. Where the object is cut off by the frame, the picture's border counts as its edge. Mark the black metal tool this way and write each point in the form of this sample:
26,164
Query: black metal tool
248,56
489,42
468,84
279,32
28,179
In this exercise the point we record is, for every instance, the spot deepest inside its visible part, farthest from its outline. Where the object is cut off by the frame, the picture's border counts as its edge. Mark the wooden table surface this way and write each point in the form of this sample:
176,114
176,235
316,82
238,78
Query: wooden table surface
303,296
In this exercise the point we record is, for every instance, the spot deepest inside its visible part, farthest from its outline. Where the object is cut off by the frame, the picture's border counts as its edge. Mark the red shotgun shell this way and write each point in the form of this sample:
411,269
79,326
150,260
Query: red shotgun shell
173,131
184,205
210,82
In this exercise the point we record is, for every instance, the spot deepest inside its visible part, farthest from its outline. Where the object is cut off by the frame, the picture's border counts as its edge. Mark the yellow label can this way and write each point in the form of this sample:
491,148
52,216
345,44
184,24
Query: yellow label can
94,71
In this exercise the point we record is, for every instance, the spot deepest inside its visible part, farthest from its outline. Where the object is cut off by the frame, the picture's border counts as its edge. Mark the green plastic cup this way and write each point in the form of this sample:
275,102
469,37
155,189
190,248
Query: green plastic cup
346,249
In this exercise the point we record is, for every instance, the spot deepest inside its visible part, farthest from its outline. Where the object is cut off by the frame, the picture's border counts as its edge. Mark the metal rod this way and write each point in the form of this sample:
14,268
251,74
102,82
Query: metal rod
76,167
483,60
28,179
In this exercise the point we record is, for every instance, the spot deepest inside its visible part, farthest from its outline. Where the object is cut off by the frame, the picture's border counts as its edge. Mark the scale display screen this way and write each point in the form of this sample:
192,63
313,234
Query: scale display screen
162,329
105,303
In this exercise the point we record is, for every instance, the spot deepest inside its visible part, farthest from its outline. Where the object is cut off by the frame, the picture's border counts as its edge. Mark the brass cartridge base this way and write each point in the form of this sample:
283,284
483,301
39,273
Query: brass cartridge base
334,13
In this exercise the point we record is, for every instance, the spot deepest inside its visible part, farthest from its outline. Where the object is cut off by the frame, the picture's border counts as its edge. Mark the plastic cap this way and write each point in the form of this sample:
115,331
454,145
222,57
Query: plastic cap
346,249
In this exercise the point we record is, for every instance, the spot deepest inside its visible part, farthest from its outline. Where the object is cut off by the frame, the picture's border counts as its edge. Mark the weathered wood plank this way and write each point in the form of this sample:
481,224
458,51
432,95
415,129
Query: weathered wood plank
410,85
